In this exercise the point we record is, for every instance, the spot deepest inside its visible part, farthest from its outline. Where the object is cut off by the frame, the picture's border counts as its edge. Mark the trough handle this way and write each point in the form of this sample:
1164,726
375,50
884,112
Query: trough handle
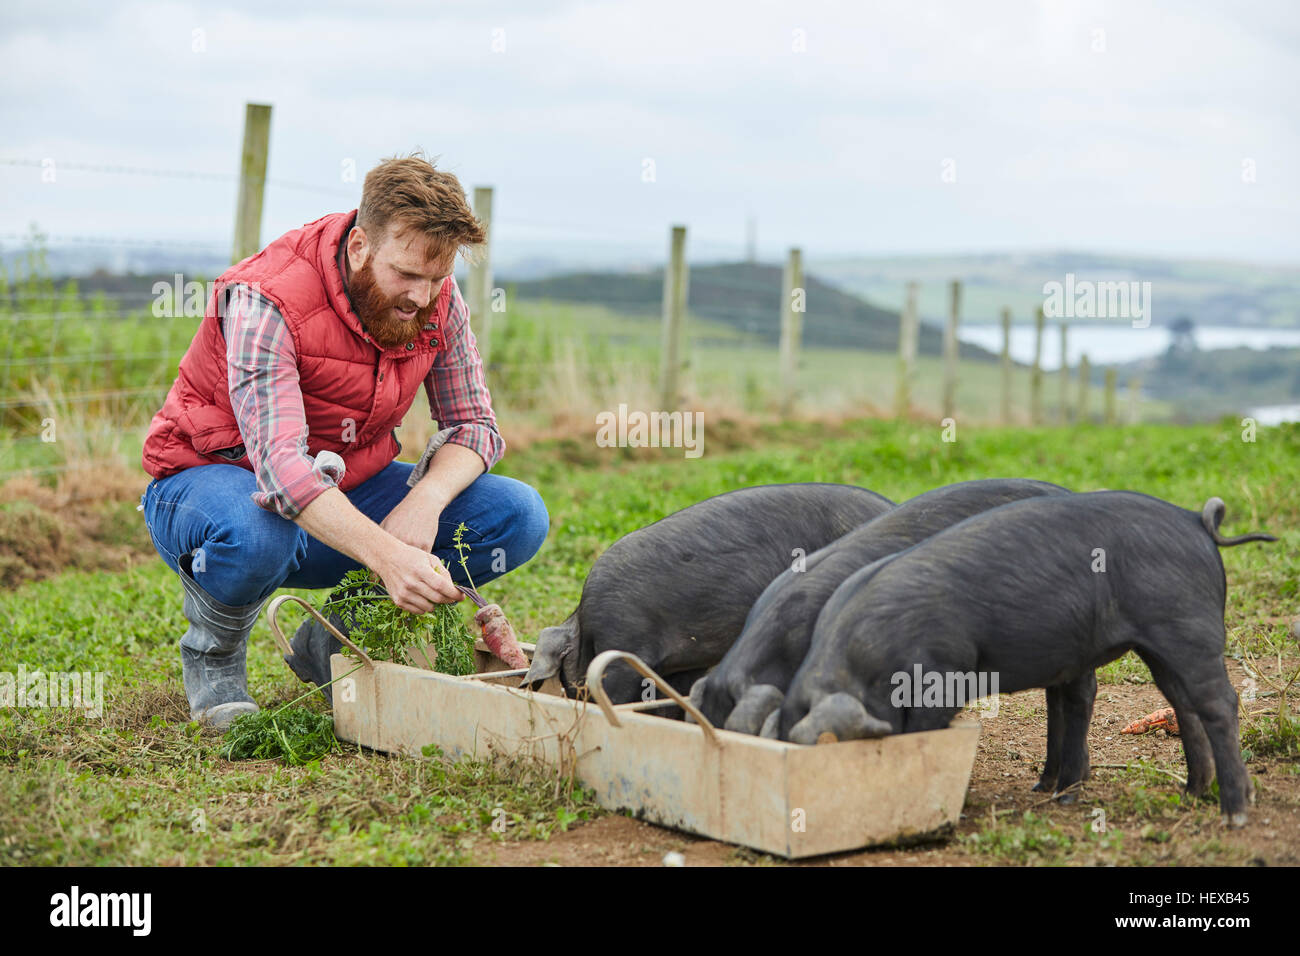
596,673
276,633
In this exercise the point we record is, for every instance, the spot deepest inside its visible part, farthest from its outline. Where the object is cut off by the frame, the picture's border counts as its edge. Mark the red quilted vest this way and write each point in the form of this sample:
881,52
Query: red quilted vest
354,393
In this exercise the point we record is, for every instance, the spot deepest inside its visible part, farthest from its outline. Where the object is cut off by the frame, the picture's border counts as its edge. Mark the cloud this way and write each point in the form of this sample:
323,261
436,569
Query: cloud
1104,125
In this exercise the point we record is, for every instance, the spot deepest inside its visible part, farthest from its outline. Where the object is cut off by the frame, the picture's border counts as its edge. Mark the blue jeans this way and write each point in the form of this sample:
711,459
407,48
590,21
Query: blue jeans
248,552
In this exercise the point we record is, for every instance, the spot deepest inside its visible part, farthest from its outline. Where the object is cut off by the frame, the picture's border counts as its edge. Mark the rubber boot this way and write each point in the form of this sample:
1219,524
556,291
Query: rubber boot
213,654
312,644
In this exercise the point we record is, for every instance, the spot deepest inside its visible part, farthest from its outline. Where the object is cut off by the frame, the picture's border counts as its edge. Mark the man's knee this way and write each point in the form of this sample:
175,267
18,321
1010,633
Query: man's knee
254,558
519,522
533,520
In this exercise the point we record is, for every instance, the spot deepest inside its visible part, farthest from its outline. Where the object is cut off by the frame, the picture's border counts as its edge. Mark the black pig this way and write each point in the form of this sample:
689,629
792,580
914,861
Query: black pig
676,592
748,684
1039,593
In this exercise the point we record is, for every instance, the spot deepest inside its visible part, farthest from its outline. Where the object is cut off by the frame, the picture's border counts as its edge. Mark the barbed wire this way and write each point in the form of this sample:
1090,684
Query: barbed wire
205,244
113,429
89,358
116,169
140,313
92,296
82,398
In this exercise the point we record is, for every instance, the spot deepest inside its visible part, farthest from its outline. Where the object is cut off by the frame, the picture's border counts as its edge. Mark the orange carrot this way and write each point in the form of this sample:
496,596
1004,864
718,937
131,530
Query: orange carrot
1165,718
499,636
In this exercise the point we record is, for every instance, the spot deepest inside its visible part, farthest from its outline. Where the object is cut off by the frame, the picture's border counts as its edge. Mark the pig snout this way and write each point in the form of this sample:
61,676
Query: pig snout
841,715
757,704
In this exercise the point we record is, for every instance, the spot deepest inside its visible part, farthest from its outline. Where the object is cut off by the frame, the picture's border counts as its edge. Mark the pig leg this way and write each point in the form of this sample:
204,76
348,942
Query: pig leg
1055,736
1214,701
624,685
1220,718
1196,745
1077,698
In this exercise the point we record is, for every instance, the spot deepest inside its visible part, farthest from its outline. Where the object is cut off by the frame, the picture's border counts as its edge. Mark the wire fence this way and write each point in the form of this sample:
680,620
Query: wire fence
81,359
98,363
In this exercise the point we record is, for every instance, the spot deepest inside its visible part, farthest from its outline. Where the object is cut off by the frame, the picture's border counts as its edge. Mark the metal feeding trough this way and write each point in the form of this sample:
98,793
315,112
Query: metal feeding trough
781,798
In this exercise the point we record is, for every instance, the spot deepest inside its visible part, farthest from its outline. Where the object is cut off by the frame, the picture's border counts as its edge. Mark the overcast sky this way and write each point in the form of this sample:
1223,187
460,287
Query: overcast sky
1113,127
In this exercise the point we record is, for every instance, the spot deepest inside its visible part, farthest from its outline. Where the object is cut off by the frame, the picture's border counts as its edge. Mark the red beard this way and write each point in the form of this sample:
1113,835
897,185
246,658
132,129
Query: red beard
378,313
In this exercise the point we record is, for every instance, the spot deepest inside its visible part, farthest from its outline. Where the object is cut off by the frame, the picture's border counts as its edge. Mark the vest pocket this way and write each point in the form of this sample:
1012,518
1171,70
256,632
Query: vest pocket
211,432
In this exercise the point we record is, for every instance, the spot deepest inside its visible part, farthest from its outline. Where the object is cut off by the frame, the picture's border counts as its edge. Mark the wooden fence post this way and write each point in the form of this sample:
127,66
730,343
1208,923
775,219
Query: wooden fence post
1134,397
1063,413
675,280
252,181
792,309
1036,376
908,329
1085,376
480,276
950,351
1006,366
1110,396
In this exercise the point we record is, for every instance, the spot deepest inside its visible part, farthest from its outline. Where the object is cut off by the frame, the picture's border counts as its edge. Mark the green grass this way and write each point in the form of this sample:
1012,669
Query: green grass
125,789
1034,840
98,378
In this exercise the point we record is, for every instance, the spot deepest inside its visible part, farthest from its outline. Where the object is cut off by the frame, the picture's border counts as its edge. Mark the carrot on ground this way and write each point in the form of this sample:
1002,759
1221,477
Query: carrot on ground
1163,718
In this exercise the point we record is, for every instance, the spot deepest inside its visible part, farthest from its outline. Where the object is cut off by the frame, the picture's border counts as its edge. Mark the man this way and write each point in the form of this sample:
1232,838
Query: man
318,344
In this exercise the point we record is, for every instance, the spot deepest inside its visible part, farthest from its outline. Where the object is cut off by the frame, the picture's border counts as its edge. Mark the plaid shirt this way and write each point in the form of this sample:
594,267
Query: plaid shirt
263,378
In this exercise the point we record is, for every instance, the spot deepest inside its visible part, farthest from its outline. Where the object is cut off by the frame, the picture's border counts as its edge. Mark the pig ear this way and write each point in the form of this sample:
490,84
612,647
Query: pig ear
554,645
696,697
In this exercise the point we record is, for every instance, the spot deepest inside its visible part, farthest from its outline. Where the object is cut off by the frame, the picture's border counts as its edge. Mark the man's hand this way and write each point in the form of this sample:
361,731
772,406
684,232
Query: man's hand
414,522
415,579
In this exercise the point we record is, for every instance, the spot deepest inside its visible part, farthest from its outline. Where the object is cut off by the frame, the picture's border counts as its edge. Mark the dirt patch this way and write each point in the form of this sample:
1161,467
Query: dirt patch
77,526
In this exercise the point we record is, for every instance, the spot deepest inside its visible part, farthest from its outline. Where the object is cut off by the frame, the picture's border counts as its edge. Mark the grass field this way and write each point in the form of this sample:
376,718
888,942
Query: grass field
144,785
79,382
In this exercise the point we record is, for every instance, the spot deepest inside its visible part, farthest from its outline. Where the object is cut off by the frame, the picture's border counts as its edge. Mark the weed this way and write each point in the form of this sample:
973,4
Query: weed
295,735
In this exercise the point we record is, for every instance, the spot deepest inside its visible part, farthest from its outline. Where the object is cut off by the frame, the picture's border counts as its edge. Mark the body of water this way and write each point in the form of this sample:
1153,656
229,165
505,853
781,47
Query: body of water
1275,414
1110,344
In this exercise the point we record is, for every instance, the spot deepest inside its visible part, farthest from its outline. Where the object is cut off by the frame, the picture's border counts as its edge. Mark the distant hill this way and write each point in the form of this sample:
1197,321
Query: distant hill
747,297
1210,292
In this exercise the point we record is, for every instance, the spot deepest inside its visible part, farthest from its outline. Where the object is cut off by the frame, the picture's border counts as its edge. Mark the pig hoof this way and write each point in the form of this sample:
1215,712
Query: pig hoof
1068,798
772,726
1235,820
1043,786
